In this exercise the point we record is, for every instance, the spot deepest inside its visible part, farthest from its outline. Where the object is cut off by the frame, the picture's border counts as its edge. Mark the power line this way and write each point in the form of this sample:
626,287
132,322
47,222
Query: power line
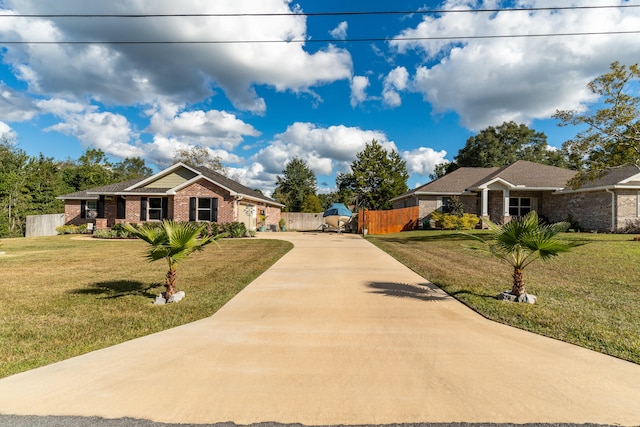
354,40
345,13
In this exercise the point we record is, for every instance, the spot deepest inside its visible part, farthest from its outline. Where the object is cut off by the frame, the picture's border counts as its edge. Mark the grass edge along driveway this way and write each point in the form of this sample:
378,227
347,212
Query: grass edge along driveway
65,296
588,297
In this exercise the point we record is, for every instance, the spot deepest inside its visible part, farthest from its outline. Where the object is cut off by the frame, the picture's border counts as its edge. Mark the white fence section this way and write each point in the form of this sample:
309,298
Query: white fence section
300,221
43,225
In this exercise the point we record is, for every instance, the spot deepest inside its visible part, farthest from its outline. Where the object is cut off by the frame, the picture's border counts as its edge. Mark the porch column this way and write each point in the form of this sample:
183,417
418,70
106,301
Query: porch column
505,203
485,202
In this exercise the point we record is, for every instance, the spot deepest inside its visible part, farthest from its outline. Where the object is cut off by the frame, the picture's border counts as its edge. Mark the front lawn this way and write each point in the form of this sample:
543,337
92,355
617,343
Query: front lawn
64,296
589,296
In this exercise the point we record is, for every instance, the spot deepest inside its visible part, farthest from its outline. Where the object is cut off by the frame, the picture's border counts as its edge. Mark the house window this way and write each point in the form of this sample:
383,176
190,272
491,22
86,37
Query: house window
519,206
447,204
155,208
121,208
90,209
203,209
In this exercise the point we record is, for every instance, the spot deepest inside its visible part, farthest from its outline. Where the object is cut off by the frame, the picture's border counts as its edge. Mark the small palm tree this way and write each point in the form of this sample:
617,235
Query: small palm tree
524,240
173,241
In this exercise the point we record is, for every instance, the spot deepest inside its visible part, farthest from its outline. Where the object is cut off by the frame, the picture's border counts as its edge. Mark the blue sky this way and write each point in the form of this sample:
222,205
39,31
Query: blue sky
258,105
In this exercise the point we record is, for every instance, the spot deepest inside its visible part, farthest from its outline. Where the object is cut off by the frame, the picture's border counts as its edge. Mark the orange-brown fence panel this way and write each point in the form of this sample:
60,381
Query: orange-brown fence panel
387,222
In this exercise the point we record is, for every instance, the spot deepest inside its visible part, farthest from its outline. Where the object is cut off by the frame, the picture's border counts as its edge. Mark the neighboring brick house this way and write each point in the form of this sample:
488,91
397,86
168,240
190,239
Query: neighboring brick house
608,204
180,193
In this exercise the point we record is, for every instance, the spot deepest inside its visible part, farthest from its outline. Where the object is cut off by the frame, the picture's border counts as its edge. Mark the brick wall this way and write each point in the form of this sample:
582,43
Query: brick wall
178,206
72,213
592,210
627,208
203,188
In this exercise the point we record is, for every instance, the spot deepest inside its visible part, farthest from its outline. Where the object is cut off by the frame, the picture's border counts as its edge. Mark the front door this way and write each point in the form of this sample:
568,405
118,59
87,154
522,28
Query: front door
247,214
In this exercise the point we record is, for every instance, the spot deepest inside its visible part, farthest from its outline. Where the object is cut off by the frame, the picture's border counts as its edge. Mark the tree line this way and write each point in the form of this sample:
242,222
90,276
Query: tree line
29,185
607,137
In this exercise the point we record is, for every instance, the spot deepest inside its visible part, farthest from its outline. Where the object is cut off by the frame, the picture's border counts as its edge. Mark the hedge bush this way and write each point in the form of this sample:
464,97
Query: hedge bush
454,222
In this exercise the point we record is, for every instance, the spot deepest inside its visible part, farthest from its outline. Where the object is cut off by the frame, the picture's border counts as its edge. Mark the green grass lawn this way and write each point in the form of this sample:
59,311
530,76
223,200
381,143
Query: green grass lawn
63,296
589,296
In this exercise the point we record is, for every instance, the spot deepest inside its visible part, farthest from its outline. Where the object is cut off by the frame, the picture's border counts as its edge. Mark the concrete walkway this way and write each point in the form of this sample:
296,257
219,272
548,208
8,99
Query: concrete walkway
336,332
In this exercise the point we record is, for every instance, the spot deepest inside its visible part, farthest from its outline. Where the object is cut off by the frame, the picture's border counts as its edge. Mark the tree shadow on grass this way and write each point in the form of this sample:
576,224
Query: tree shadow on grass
422,292
119,288
466,292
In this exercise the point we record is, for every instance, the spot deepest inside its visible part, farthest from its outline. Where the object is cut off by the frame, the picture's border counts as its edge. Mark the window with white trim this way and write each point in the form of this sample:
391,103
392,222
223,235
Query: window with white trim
519,206
91,209
155,209
203,209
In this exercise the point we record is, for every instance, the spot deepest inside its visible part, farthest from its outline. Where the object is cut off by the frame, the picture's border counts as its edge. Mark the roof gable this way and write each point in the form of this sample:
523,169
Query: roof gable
528,175
521,174
456,182
171,180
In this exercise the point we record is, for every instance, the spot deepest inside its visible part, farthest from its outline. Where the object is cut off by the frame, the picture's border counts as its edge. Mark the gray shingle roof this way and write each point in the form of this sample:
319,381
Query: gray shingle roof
457,181
521,173
232,185
613,177
92,193
531,175
120,187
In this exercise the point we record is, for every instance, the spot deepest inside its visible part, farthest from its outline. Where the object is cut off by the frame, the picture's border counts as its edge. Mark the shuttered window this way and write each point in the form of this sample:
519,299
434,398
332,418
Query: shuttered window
203,209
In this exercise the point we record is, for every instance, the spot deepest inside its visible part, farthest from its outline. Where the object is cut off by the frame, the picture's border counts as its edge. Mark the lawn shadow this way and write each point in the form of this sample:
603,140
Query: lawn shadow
456,294
118,289
423,292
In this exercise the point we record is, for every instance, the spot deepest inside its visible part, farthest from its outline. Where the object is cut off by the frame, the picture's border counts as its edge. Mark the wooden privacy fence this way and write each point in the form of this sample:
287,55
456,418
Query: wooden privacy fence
387,222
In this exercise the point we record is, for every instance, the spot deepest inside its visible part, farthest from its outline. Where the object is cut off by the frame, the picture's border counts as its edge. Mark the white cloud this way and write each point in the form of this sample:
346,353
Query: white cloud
326,150
211,128
395,82
107,131
340,32
422,161
14,106
132,74
162,151
488,81
255,176
7,132
359,85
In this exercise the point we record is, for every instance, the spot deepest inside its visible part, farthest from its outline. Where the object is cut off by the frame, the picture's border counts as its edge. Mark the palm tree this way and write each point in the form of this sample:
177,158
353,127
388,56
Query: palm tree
524,240
173,241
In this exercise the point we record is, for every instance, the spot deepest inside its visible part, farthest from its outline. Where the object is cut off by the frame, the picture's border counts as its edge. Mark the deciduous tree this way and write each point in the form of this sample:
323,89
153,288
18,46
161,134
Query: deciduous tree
505,144
13,188
612,133
200,156
130,168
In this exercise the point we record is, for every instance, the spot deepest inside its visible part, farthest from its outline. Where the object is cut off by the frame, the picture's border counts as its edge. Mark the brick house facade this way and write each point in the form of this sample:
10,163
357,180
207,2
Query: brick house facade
610,203
180,193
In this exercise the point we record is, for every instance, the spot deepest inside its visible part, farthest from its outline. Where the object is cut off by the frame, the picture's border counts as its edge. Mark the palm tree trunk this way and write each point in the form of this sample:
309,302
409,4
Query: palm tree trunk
518,283
170,284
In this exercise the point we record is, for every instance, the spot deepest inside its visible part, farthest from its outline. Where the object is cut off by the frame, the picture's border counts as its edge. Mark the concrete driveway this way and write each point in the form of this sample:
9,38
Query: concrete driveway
336,332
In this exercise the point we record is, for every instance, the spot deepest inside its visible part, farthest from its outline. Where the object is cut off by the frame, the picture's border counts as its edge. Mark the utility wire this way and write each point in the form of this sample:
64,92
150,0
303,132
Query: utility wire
346,13
355,40
347,40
